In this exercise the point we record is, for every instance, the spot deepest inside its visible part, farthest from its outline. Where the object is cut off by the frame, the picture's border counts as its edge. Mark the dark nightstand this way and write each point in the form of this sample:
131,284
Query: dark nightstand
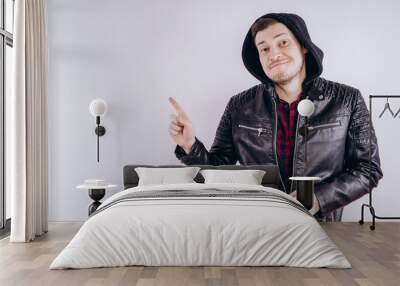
96,193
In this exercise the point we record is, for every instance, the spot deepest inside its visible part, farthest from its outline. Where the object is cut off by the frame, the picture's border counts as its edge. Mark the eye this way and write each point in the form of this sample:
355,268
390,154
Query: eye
264,50
284,43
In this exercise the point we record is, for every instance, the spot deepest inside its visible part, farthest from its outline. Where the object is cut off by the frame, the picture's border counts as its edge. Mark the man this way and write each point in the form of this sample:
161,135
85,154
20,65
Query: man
262,126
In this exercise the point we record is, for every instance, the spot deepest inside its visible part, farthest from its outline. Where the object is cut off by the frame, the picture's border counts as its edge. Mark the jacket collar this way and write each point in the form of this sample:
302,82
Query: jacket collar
311,89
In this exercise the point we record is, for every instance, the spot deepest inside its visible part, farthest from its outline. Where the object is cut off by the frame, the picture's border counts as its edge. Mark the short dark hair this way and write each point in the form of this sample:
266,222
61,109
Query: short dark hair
261,24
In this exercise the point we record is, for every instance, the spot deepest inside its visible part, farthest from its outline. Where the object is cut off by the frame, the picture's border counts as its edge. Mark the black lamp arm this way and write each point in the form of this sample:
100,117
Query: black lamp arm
100,131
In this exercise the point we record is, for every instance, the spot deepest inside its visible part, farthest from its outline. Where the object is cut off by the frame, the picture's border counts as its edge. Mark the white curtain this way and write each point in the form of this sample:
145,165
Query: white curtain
27,122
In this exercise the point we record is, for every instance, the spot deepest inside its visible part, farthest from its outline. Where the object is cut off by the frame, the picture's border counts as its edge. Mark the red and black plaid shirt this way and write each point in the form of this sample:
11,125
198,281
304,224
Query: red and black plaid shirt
285,139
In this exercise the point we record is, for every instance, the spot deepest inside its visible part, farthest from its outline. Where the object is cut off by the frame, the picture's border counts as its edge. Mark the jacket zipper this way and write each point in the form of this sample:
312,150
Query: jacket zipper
276,156
294,152
332,124
259,129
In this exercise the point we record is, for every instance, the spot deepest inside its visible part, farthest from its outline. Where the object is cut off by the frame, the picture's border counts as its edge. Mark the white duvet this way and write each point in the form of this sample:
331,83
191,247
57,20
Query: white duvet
200,231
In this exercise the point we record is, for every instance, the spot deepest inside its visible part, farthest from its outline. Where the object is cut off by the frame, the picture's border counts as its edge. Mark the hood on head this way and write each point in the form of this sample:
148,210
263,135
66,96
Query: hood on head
298,27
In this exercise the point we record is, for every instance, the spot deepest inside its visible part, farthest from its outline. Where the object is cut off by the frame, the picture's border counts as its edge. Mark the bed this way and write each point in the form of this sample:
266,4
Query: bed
201,224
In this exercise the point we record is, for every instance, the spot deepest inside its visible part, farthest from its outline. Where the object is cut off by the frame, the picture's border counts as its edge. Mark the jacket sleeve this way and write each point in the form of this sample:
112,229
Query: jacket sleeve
353,183
221,152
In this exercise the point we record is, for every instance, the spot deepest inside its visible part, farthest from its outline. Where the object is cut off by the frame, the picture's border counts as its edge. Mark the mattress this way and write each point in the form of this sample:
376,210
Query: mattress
201,225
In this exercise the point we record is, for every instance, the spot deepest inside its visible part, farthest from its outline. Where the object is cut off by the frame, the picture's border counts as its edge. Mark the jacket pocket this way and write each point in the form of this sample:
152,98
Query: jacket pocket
325,125
252,141
258,130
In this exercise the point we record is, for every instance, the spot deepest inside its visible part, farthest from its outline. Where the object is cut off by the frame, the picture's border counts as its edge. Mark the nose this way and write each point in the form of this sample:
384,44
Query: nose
274,54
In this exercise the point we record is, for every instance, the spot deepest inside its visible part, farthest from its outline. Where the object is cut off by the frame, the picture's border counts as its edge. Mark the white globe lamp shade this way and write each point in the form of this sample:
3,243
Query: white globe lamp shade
306,107
98,107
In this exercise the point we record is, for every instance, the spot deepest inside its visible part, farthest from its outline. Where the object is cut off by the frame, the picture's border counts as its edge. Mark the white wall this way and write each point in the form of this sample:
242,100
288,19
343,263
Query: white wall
135,54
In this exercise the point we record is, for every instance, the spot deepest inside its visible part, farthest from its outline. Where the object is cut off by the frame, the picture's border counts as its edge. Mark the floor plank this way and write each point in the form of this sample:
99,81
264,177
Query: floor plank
374,255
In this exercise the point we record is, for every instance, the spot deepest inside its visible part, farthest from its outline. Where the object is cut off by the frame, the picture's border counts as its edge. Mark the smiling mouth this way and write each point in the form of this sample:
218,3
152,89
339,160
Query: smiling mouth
277,64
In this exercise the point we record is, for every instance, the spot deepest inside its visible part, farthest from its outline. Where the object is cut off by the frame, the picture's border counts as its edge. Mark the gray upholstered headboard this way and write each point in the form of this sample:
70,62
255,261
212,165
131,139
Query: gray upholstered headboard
270,179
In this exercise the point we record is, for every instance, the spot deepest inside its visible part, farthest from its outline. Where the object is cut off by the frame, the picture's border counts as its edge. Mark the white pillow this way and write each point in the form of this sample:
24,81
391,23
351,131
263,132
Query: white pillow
162,176
249,177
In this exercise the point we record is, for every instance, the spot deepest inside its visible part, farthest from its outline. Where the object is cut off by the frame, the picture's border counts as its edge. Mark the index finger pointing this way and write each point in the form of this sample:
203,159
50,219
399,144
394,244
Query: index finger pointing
176,105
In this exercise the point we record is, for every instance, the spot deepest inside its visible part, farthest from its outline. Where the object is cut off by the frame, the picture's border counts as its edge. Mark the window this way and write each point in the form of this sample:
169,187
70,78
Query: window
6,44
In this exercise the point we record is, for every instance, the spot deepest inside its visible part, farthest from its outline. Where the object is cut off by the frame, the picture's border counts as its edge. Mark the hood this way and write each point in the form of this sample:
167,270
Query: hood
298,27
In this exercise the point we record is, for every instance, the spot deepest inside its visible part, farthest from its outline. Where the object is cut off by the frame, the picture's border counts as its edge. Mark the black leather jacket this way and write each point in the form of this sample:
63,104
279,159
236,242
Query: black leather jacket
338,153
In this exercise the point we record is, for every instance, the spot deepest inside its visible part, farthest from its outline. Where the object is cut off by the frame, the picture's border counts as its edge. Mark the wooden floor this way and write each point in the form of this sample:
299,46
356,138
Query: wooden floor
374,255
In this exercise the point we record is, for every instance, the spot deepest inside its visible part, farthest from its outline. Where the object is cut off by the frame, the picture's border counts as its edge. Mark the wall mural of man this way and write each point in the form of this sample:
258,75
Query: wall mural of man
261,125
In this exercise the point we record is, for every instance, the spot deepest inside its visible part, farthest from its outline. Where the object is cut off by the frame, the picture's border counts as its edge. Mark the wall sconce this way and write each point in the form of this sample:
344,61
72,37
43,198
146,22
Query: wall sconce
98,107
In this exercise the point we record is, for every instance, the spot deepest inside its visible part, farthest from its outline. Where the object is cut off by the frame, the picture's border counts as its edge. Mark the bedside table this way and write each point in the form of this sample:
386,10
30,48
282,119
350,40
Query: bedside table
96,192
305,190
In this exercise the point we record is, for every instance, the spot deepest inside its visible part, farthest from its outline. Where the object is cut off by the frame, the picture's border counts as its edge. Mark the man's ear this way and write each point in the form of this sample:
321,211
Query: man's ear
304,50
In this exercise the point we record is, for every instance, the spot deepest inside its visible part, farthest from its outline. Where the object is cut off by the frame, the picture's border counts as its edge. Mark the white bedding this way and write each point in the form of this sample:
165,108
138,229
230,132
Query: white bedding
183,231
